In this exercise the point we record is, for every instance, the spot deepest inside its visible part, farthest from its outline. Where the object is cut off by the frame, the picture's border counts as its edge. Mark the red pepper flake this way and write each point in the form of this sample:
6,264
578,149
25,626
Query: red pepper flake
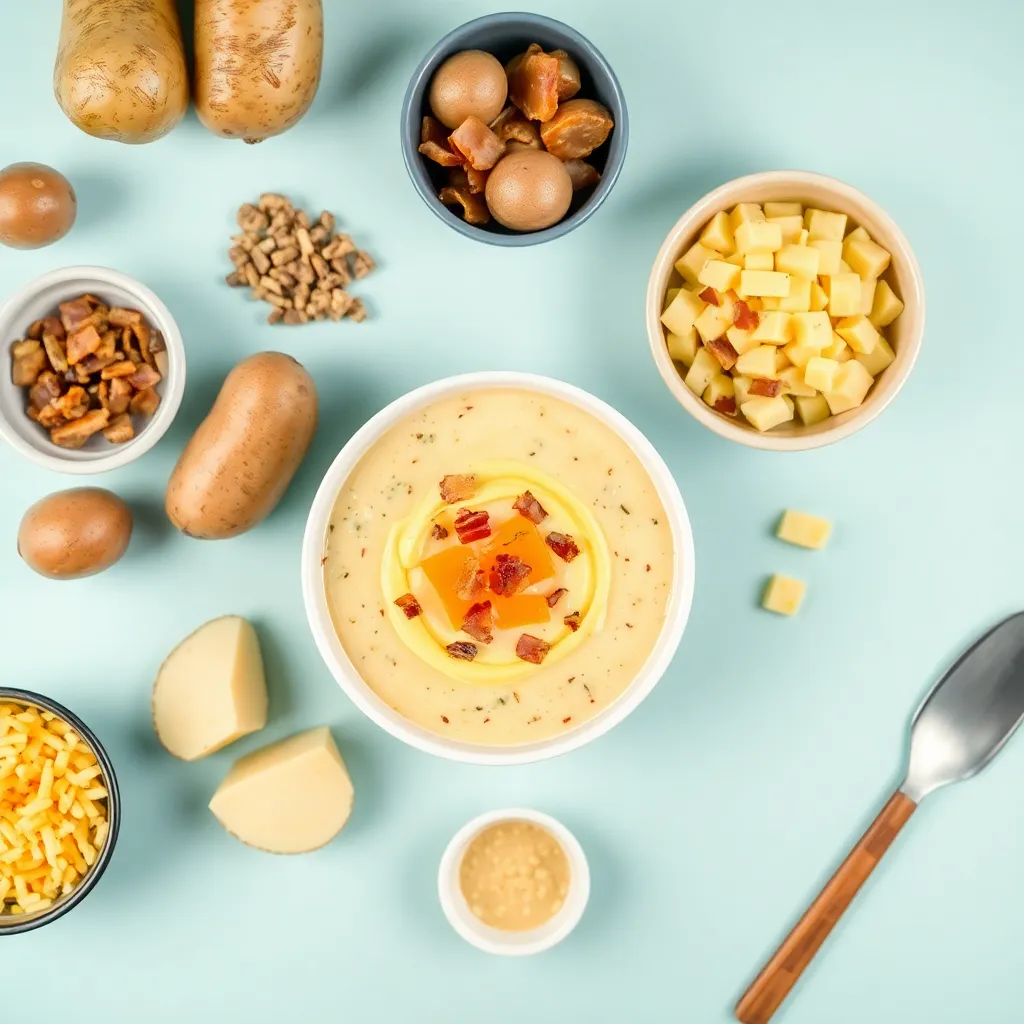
572,620
462,650
457,487
409,605
530,508
532,649
323,561
563,545
555,596
567,720
709,295
471,580
438,532
744,317
726,404
444,718
472,526
509,575
479,622
766,387
722,350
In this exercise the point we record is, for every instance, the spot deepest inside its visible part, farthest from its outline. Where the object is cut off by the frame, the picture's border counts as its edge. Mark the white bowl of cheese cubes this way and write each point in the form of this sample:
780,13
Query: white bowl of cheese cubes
785,310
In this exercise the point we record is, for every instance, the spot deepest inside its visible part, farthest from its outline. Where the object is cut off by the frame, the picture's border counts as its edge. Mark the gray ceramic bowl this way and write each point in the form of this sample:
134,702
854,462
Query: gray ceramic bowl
10,925
505,35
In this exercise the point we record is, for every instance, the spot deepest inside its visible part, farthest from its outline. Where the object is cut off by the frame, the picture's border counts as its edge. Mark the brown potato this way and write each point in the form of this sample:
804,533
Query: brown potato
257,64
37,206
75,533
120,72
242,457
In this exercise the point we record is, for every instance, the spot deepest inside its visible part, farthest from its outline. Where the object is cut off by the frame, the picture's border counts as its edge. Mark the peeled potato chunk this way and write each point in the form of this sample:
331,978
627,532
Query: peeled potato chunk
211,690
577,129
291,797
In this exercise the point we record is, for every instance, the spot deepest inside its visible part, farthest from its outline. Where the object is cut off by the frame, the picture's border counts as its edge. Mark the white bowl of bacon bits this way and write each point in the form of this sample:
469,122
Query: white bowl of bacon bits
94,370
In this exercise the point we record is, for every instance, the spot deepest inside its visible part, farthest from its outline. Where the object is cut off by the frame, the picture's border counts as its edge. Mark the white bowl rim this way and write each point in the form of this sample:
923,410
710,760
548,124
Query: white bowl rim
493,940
333,653
696,215
170,399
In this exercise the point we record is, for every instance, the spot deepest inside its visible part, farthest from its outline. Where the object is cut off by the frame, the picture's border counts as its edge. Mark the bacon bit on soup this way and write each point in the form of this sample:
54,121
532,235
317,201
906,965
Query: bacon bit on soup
472,526
711,296
722,350
409,605
462,650
457,487
509,575
438,532
563,545
479,622
530,508
744,317
765,387
470,581
532,649
572,620
726,404
555,596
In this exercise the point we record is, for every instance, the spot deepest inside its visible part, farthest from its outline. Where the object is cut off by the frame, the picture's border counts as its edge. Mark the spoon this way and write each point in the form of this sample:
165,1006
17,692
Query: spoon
959,727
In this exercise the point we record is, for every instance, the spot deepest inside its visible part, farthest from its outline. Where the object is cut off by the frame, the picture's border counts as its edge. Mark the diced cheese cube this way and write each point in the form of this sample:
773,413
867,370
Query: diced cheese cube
784,210
767,282
783,595
720,394
711,323
704,367
719,275
851,385
798,260
812,410
774,328
683,347
799,298
803,530
792,378
819,297
878,359
799,355
758,362
835,349
742,341
820,373
692,261
742,386
858,333
758,236
813,330
804,237
844,297
759,261
824,224
867,294
791,227
831,250
718,234
744,213
886,306
765,413
682,311
858,232
865,257
669,296
781,360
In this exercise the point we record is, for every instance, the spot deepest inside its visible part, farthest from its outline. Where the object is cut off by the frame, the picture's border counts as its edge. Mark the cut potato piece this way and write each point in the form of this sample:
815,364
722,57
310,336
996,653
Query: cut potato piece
692,261
858,333
793,382
291,797
744,213
211,690
798,260
704,367
812,410
784,210
682,311
799,298
754,236
774,329
850,387
866,258
765,413
683,347
758,261
844,294
880,357
718,235
719,275
830,255
886,306
824,224
766,282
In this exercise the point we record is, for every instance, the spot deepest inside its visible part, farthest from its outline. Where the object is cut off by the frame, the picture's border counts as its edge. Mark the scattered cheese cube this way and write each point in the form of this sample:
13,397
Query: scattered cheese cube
799,298
813,330
844,297
824,224
803,530
765,413
886,306
767,282
718,235
745,213
820,373
851,385
830,255
800,355
759,261
783,595
784,210
798,260
812,410
692,261
859,333
683,347
742,341
704,367
791,226
755,236
682,311
758,362
712,323
719,275
793,382
819,298
774,328
720,394
866,258
878,358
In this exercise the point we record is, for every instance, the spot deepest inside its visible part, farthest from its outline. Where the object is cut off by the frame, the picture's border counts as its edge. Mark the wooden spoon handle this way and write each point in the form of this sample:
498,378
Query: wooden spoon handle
780,974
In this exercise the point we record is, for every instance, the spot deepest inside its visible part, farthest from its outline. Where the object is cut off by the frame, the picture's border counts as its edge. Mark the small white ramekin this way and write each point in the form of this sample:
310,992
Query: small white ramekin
493,940
346,674
40,298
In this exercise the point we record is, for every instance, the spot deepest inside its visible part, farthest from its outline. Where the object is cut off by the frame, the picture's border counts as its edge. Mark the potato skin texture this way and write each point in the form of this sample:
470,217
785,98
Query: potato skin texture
257,64
241,459
120,72
75,533
37,206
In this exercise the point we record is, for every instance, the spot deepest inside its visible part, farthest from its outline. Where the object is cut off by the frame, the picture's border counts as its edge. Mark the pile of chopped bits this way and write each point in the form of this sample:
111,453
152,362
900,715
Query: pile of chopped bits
90,368
301,268
53,809
504,576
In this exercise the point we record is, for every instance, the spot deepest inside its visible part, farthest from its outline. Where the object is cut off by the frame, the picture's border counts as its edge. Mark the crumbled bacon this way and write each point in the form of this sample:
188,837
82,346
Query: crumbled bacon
555,596
563,545
470,581
709,295
434,144
479,622
726,404
530,508
509,575
722,350
472,526
572,620
744,317
462,650
74,312
409,605
438,532
532,649
457,487
766,387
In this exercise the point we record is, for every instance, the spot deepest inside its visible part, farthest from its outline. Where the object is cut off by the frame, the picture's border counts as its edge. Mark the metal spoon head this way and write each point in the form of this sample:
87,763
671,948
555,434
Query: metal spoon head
969,713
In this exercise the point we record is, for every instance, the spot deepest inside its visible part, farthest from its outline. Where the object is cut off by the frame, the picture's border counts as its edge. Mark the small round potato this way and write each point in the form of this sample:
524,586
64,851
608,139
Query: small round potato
75,533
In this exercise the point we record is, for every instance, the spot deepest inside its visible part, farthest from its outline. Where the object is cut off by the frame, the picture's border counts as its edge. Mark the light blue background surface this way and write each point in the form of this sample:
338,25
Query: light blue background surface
714,813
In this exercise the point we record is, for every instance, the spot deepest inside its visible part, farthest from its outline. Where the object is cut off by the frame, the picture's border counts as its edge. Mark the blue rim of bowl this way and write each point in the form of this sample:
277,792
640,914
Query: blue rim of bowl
27,923
410,123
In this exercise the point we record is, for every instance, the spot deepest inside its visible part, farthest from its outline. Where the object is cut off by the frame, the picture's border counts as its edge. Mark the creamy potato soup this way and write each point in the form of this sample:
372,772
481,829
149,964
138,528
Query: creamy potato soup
498,567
